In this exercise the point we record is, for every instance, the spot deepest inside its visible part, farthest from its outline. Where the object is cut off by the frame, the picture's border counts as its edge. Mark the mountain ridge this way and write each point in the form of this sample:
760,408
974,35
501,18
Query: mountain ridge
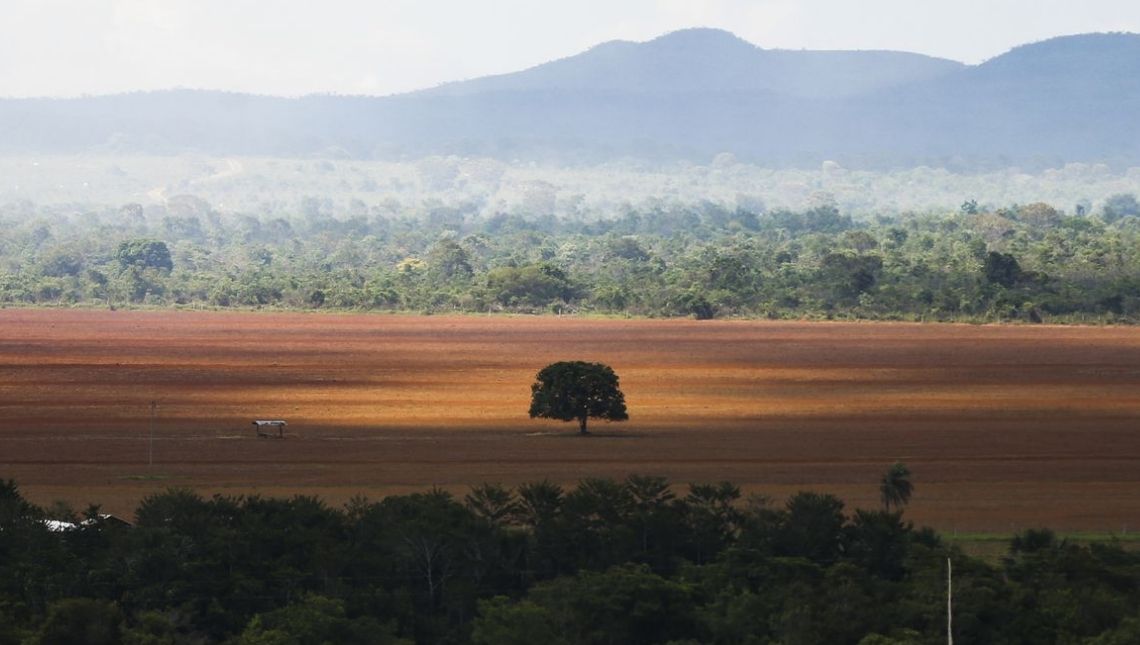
684,95
702,59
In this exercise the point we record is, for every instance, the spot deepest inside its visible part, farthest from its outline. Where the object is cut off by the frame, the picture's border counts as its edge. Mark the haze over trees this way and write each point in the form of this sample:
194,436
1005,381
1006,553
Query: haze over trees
339,188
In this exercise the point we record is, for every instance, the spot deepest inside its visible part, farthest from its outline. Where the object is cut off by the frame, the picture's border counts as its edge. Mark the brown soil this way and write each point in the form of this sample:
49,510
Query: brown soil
1003,427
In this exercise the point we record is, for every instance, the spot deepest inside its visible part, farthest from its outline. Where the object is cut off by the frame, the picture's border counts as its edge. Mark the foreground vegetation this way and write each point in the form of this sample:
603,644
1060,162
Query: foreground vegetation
606,562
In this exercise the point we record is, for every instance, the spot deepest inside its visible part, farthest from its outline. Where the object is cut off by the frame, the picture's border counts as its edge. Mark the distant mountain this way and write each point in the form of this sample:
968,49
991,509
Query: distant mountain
711,60
1091,62
1070,98
686,95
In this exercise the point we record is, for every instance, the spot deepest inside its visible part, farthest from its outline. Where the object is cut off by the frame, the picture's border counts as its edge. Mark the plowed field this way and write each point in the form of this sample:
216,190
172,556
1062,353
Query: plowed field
1003,427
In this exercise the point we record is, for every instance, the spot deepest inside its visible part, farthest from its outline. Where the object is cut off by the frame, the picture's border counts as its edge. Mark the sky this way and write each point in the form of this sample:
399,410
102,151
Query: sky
296,47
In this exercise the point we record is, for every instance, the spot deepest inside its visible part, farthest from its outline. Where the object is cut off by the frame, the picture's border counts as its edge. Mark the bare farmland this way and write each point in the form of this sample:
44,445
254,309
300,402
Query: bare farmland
1003,426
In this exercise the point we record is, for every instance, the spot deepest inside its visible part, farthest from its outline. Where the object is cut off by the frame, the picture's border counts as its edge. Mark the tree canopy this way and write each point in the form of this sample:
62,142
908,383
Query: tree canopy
577,390
149,254
1030,262
895,488
603,561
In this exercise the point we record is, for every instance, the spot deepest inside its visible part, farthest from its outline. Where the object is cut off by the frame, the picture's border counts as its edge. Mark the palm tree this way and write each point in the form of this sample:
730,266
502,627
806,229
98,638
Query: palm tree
895,487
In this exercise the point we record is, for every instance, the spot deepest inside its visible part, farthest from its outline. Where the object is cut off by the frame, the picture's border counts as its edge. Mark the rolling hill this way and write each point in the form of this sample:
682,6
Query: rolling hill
685,95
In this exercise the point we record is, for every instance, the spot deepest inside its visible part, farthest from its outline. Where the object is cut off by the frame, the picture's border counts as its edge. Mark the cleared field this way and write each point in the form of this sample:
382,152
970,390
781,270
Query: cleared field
1003,427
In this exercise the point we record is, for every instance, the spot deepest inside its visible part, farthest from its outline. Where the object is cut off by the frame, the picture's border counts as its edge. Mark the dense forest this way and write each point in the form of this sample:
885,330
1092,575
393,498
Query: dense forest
1030,262
634,561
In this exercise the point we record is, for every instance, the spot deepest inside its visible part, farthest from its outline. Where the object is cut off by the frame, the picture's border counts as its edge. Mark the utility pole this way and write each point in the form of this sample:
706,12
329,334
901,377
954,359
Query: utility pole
150,444
949,603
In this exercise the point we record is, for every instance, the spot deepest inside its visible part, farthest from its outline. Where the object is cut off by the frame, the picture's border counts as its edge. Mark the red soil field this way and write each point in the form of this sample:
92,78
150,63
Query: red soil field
1003,427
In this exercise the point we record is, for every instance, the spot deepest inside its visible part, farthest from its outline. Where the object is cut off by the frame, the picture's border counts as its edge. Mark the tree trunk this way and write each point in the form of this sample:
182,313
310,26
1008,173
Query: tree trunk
582,425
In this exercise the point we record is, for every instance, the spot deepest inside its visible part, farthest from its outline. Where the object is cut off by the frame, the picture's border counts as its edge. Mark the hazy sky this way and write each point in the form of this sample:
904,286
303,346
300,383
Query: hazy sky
291,47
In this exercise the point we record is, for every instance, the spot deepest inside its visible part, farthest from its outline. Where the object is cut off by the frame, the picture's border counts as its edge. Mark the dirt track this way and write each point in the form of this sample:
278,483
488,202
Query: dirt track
1003,427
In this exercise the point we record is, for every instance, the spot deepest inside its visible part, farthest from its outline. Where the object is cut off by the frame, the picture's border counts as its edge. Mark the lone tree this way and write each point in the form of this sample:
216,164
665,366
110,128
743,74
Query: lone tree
570,390
895,488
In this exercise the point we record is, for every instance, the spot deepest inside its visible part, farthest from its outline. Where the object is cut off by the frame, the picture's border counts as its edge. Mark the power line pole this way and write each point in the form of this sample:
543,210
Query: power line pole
949,603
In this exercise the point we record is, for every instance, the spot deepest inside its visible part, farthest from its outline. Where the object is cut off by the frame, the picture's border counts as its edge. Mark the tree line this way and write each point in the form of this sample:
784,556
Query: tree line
632,561
1025,262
